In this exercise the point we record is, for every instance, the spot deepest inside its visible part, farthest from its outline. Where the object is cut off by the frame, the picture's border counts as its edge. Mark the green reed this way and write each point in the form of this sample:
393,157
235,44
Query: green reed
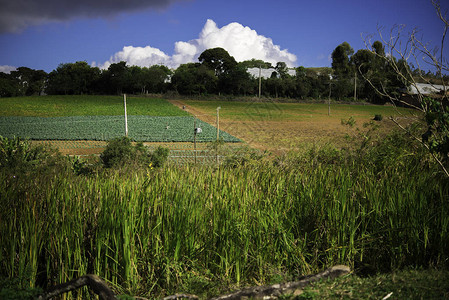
160,231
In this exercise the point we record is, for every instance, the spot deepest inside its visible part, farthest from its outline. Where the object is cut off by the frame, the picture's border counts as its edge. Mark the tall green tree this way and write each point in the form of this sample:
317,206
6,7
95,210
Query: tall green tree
256,63
343,71
194,79
237,81
72,79
30,82
218,59
341,60
303,83
119,76
281,69
9,86
157,78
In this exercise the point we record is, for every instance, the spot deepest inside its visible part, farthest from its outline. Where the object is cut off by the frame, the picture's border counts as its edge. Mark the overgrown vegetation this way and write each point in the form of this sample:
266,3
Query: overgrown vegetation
253,220
121,151
404,284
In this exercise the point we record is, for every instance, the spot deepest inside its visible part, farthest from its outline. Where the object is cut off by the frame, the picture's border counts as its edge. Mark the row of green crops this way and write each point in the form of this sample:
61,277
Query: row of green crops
140,128
179,229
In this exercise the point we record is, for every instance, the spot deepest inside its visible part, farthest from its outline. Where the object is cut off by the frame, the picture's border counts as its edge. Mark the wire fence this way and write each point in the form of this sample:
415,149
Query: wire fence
180,153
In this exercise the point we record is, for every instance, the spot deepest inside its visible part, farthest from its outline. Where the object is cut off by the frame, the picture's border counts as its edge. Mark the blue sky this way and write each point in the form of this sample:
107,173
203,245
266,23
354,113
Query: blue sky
42,34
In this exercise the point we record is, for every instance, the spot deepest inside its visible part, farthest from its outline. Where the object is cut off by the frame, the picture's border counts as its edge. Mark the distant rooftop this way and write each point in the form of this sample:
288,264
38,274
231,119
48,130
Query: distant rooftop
426,89
266,73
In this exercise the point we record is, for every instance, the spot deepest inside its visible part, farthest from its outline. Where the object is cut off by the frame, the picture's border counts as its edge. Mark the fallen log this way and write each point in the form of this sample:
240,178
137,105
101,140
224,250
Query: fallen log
94,282
100,287
289,288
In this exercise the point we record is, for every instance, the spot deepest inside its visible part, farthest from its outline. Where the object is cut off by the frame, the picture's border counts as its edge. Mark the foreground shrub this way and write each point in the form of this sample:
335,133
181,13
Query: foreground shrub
17,153
18,156
121,151
118,152
159,156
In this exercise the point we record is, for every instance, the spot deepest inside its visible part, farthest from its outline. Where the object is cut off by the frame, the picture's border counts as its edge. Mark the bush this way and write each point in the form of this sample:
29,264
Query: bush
82,166
378,117
17,152
159,157
121,151
17,155
243,157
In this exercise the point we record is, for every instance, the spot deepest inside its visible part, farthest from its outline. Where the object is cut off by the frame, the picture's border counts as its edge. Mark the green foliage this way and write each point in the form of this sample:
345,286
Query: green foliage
18,154
243,157
380,207
82,166
159,156
341,60
72,79
141,128
437,134
349,122
404,284
194,79
14,289
218,60
121,151
22,82
255,63
378,118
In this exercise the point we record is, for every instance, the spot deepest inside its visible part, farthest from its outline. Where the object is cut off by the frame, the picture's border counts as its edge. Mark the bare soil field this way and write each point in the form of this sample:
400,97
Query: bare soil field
280,133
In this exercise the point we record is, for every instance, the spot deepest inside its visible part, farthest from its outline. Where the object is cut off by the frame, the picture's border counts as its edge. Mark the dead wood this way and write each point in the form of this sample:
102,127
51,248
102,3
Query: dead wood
99,287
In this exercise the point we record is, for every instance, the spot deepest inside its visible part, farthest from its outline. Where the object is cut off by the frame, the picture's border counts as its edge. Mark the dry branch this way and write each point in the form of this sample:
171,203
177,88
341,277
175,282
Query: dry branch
94,282
100,288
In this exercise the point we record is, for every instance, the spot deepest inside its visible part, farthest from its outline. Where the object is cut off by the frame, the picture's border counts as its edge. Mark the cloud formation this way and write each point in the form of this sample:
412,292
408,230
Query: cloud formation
7,69
16,15
242,42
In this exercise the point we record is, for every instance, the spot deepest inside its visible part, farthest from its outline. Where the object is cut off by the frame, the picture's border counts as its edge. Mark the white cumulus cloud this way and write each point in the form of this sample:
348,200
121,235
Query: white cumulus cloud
242,42
138,56
7,69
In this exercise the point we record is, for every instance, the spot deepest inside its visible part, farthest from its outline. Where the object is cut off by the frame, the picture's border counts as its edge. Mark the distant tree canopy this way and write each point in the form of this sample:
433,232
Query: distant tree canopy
217,72
22,82
256,63
360,74
218,59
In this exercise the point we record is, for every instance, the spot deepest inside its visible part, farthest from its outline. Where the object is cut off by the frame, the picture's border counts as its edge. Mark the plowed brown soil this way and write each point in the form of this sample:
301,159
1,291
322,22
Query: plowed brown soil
282,136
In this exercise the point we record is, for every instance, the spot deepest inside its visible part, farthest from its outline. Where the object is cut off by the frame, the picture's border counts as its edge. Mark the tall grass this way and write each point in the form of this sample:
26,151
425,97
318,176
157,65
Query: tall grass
159,231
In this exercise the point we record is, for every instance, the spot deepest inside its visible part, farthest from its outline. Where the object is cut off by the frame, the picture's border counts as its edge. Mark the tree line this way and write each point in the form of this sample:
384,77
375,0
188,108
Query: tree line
216,72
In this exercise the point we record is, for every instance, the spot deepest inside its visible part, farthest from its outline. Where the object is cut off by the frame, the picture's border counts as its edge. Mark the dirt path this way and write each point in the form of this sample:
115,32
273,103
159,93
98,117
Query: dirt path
211,119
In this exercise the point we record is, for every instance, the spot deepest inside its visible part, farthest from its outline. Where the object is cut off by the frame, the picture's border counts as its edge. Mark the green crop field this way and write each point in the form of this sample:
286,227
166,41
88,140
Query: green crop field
100,128
63,106
101,118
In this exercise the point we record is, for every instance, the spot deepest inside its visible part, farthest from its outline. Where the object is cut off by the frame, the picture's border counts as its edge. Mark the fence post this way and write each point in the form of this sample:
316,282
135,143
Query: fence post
126,117
194,139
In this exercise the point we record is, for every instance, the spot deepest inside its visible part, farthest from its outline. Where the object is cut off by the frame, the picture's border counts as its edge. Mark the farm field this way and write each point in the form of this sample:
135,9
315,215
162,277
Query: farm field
81,124
280,127
79,105
276,127
103,128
